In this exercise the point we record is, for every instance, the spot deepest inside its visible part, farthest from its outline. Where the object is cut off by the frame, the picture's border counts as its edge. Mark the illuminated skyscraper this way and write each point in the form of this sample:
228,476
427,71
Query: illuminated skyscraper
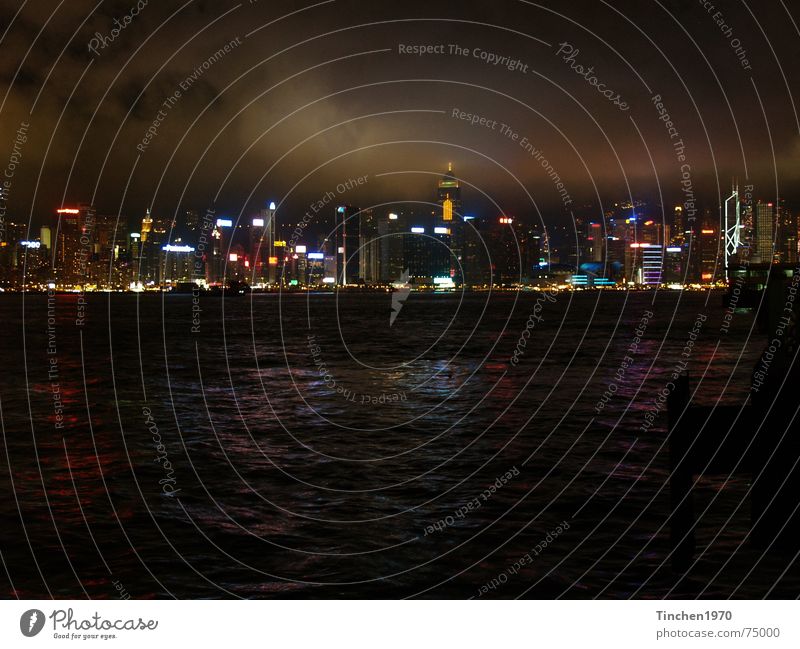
262,245
390,230
765,232
787,234
147,226
426,252
596,239
134,253
706,252
221,240
72,253
449,199
652,263
45,236
651,231
109,243
449,195
732,228
154,235
369,244
176,262
678,226
347,235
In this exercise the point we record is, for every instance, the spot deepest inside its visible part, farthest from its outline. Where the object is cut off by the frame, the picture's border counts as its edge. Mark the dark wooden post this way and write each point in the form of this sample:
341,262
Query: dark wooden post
680,482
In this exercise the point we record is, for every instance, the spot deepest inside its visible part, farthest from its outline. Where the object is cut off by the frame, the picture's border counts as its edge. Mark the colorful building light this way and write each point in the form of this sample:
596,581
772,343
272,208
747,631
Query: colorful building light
171,248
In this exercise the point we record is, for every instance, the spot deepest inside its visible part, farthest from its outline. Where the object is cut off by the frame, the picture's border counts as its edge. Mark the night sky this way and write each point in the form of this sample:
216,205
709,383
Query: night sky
312,94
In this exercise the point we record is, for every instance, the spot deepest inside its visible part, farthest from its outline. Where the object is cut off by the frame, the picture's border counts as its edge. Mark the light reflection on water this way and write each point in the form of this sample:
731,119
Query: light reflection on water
302,483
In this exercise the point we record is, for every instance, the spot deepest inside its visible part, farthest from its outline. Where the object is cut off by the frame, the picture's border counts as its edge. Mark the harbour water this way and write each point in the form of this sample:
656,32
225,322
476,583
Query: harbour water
300,445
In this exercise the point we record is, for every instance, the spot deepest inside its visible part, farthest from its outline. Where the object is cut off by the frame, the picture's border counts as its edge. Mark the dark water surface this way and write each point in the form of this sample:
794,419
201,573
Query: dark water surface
342,465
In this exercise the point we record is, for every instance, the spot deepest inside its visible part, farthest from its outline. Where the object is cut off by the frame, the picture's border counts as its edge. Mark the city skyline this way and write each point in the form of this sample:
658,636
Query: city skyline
436,243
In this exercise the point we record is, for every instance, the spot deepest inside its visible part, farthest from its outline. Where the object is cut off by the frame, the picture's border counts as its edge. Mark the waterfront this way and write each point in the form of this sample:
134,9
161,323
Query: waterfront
218,460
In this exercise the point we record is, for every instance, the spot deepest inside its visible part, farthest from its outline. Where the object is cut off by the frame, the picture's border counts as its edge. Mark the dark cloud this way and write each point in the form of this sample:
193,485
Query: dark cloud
677,50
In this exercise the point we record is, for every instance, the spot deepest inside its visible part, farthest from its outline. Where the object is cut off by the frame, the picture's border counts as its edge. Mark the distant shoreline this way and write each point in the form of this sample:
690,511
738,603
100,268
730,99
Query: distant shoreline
368,291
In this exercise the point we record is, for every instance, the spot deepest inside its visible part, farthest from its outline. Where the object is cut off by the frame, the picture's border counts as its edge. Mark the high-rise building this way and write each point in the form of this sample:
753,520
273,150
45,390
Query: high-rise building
45,236
72,252
177,262
426,252
674,265
596,241
705,255
164,225
474,258
134,255
109,246
154,235
652,263
509,250
765,232
191,224
678,230
215,253
237,265
370,248
390,230
616,247
347,243
147,226
262,245
448,196
787,234
315,268
652,231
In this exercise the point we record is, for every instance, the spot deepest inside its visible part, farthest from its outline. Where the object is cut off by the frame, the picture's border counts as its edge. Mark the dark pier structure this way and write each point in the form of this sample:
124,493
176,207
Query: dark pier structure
760,439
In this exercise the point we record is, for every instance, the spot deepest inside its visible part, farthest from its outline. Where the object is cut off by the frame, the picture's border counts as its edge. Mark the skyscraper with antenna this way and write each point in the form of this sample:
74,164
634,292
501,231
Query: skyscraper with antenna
449,198
732,228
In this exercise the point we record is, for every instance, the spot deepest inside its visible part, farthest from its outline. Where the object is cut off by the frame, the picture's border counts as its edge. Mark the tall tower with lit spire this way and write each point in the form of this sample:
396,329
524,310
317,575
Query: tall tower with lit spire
147,225
449,198
449,195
